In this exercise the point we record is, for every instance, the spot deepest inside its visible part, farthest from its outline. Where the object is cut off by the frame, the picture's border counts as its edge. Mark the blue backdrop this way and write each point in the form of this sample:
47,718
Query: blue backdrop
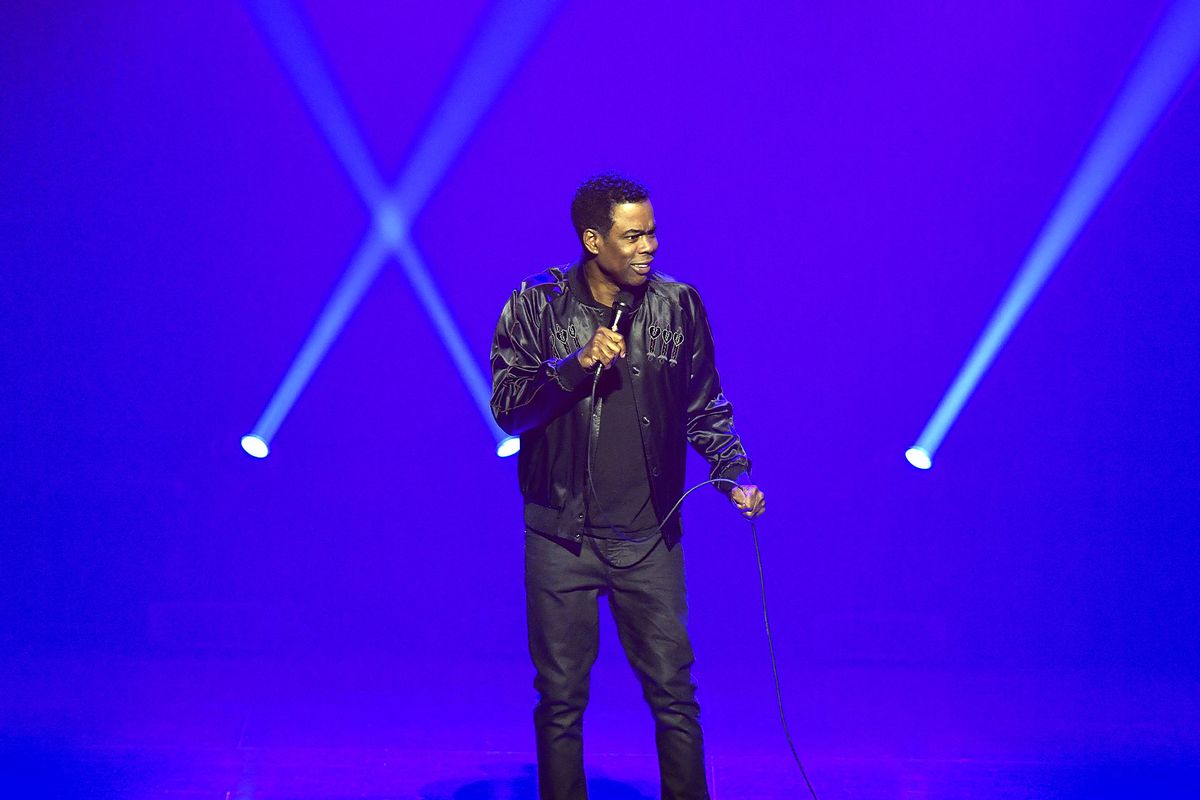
850,186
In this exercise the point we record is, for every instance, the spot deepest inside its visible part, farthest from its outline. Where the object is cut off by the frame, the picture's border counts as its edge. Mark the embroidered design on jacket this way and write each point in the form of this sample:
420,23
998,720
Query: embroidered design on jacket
663,344
652,333
676,340
565,336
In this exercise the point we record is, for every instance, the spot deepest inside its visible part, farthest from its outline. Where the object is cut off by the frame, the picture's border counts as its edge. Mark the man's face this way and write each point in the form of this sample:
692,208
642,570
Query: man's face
625,252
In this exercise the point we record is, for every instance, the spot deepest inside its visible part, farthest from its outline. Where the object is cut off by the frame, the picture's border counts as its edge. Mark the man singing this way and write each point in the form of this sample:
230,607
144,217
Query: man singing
603,417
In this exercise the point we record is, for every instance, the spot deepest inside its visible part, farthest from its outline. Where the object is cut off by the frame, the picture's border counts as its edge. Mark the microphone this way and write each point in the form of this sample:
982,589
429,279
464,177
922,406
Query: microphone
621,306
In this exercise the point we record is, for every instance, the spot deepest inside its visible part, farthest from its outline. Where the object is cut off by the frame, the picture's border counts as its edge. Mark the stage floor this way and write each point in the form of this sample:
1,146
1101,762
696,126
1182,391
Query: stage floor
404,728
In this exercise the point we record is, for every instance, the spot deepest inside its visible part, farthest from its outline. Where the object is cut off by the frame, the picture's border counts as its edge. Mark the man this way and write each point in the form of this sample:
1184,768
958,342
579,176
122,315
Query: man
604,420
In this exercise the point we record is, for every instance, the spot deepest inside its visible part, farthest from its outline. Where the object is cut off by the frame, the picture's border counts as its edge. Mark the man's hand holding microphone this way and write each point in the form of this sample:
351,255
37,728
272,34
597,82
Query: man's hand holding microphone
604,348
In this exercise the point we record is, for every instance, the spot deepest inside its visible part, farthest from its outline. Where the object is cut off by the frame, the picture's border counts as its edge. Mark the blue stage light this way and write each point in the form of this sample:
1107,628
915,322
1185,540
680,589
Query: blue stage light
390,224
507,33
1161,70
508,446
255,445
918,457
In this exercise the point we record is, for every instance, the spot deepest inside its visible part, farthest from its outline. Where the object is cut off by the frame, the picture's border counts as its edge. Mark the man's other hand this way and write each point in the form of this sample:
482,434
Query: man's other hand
750,500
605,347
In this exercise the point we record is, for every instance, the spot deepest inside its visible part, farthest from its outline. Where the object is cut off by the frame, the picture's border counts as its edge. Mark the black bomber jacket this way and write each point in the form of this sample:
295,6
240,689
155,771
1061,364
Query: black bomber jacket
540,391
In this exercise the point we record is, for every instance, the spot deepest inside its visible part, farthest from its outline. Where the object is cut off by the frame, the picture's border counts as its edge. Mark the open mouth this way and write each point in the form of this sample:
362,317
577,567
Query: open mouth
641,269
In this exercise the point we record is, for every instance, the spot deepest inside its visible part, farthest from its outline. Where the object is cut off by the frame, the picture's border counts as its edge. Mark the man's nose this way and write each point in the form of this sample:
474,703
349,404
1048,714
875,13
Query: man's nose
649,245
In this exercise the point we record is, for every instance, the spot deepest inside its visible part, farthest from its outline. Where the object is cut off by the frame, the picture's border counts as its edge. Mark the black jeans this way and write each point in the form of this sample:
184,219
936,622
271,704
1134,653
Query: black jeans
645,585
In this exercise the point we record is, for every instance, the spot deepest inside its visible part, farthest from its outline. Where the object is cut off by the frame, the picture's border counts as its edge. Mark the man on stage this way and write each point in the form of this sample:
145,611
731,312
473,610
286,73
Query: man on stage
599,477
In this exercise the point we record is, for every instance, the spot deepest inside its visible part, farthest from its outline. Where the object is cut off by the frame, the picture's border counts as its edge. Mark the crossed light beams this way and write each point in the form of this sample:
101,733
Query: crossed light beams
507,32
1164,65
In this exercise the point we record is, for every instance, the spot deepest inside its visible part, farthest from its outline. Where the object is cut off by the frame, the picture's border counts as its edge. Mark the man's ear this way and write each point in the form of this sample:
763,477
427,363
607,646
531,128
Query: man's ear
591,241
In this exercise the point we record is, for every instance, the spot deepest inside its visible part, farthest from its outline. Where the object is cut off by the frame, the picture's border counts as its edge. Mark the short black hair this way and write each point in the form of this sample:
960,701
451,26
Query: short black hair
595,198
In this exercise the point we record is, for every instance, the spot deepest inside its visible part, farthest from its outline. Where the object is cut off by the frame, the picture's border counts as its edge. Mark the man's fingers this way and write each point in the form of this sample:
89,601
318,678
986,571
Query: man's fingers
607,352
613,339
605,346
756,509
749,499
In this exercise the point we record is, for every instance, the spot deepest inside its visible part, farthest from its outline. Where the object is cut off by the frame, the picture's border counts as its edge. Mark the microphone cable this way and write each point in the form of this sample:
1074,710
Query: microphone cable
762,585
762,580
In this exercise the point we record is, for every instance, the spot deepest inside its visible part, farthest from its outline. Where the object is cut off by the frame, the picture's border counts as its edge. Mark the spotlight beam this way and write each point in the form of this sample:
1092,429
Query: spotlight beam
359,275
506,34
1165,63
495,54
418,276
302,62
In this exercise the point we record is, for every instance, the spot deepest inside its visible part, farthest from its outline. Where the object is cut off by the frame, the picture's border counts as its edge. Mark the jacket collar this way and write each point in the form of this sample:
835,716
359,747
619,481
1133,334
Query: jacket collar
577,282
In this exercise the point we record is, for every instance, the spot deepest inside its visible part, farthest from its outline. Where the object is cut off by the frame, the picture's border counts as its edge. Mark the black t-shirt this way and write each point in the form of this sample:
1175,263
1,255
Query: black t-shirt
621,505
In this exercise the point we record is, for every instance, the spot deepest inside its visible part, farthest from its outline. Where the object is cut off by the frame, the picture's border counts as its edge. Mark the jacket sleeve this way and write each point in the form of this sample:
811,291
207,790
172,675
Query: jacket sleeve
709,414
529,386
